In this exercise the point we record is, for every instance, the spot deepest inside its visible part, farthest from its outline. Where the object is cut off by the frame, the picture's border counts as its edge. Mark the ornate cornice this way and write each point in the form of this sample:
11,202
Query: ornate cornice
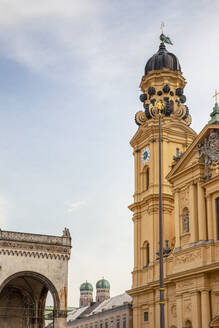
152,202
34,250
172,130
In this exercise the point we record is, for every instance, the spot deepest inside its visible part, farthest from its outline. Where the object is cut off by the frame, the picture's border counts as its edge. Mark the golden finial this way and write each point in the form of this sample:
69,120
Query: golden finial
162,27
159,106
215,95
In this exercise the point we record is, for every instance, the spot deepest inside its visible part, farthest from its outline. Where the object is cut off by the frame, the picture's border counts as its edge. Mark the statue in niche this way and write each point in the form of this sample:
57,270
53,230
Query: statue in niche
185,220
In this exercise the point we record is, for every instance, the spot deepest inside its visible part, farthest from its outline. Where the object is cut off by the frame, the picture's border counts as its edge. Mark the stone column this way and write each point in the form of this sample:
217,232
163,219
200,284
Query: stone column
205,308
202,228
210,218
196,311
177,220
193,213
35,323
179,310
60,319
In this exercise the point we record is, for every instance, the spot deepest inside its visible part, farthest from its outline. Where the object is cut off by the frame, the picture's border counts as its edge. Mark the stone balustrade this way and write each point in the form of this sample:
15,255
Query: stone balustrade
64,240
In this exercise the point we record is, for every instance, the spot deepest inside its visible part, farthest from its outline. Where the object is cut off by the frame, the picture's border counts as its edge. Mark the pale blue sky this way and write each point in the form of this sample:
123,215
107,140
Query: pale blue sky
69,88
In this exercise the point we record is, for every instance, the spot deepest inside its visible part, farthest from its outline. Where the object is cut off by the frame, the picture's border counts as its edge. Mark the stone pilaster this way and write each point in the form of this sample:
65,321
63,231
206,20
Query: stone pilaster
202,228
205,308
196,307
209,218
193,213
177,219
179,310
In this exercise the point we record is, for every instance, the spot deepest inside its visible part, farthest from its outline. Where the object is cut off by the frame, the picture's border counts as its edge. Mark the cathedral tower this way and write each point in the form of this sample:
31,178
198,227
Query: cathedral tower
102,290
86,294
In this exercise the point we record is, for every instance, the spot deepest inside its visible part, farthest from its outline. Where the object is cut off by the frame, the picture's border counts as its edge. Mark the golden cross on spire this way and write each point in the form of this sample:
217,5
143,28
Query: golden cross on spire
215,95
162,27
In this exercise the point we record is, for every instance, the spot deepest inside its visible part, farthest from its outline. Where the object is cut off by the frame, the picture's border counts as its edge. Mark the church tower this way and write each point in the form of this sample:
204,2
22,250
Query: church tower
102,290
86,294
162,89
162,85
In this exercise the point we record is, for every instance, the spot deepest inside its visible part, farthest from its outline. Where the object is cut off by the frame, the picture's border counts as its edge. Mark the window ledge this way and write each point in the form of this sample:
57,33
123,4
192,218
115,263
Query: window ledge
145,266
185,234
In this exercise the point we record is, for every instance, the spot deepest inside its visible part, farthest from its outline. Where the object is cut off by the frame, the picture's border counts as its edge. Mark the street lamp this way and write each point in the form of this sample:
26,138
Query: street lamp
160,108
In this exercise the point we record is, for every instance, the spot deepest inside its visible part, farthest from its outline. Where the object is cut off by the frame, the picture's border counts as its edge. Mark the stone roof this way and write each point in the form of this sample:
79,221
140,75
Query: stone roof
76,313
162,59
96,308
78,316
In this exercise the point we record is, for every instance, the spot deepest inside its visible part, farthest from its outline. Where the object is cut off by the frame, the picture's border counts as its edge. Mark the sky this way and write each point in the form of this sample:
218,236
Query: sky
69,89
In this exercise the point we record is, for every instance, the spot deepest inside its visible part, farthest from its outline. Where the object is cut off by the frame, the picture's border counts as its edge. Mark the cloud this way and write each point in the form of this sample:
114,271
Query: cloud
34,33
25,11
75,205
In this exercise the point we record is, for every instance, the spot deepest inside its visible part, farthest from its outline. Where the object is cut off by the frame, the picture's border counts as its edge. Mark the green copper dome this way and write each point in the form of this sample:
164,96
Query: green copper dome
214,115
103,283
86,286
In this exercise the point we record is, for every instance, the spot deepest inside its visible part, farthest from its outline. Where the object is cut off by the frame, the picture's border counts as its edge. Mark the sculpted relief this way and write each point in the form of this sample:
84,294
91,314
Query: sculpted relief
209,152
189,257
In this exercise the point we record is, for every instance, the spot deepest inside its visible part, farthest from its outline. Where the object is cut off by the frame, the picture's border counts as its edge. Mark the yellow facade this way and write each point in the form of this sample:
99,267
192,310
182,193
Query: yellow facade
190,214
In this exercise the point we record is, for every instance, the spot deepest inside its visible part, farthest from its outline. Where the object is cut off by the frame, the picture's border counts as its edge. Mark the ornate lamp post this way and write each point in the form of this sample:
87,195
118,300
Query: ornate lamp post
160,108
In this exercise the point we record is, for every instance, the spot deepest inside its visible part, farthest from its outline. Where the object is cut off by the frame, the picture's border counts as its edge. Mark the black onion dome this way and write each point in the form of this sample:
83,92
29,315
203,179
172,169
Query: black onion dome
162,59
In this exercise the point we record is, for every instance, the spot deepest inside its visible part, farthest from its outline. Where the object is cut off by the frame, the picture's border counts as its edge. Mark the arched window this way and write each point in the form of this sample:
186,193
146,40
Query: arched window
146,254
185,220
217,216
147,178
188,324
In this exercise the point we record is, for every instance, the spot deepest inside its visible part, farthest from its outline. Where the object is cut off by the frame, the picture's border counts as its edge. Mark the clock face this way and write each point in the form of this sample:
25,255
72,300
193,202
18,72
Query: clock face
145,155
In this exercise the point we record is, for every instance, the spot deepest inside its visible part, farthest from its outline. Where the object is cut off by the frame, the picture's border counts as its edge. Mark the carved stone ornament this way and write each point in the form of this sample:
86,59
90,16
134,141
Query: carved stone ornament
34,250
209,152
188,306
188,258
186,222
140,118
167,102
64,240
186,284
184,198
173,310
